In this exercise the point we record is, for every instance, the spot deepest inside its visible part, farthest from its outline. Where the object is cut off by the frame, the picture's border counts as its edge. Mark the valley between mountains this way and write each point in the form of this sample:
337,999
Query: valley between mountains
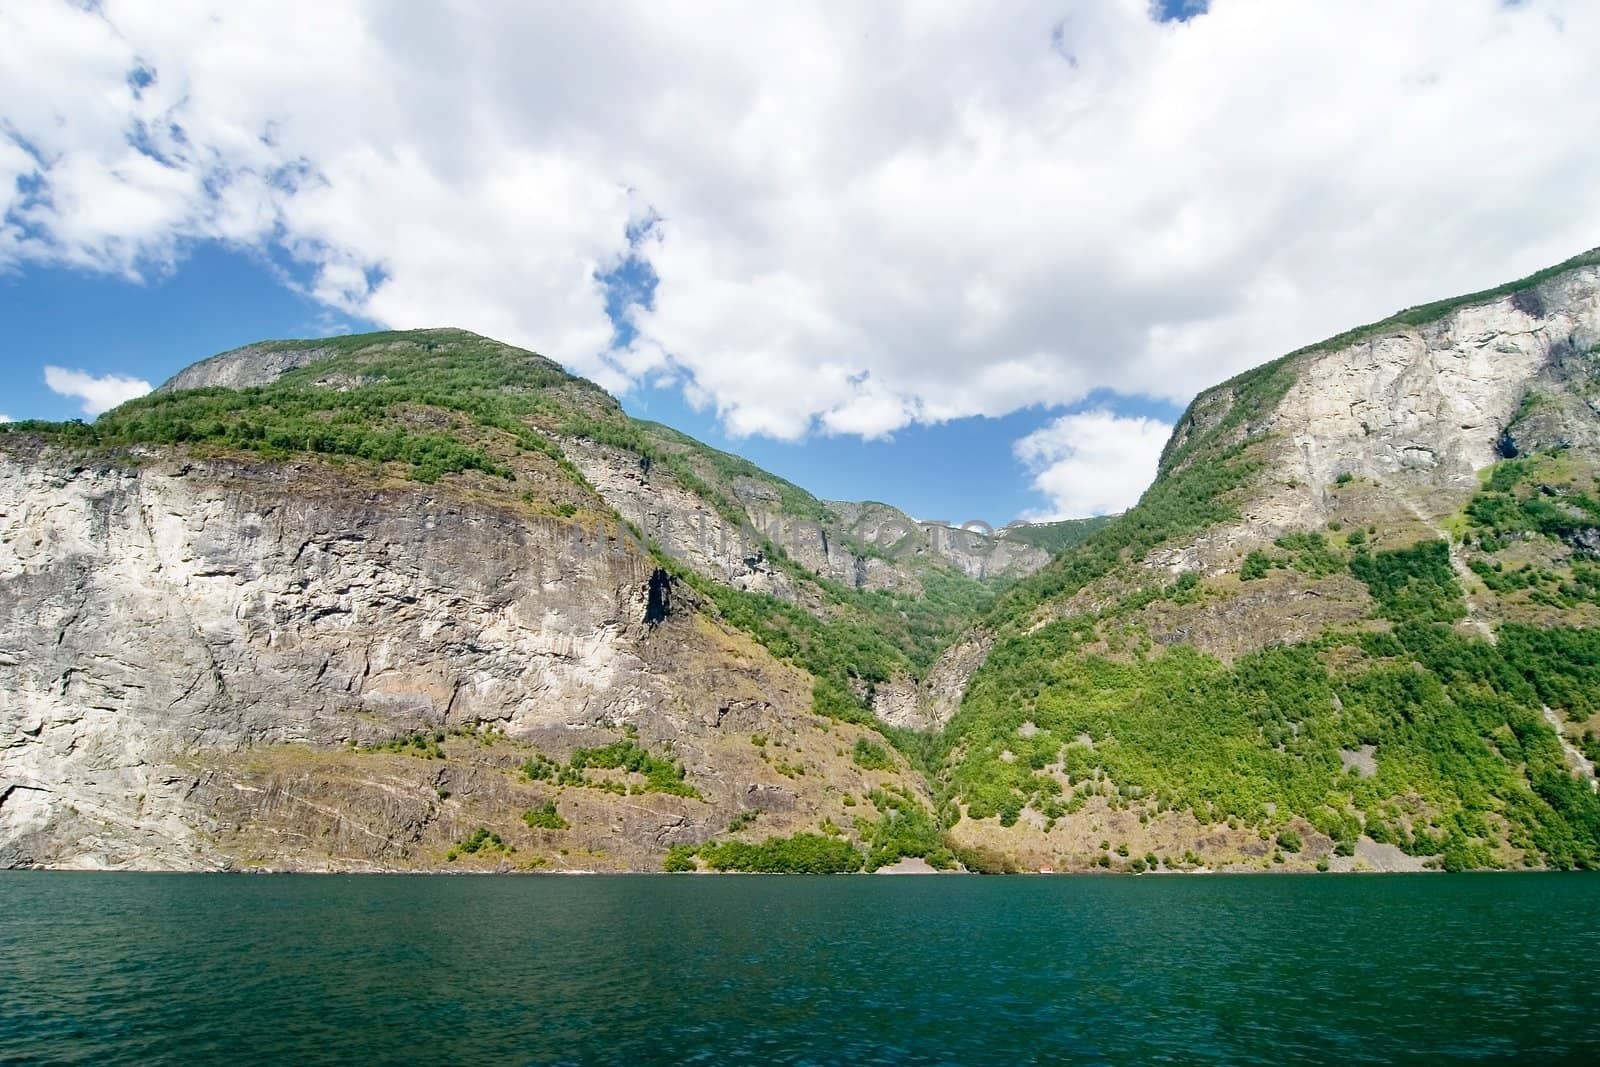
424,601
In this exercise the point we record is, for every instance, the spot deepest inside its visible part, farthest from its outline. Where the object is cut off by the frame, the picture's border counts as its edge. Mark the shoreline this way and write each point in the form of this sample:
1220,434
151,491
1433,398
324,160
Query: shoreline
1087,874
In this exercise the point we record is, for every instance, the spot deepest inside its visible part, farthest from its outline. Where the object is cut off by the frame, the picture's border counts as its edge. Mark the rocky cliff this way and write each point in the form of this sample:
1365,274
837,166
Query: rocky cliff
209,663
1419,410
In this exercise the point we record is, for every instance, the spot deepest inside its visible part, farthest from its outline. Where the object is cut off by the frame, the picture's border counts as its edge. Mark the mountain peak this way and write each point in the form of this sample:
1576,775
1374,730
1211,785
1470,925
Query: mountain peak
264,362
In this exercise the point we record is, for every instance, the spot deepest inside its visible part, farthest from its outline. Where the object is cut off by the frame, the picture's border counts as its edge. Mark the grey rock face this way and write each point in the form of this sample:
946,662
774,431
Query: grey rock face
1418,411
939,697
243,368
162,619
683,524
159,611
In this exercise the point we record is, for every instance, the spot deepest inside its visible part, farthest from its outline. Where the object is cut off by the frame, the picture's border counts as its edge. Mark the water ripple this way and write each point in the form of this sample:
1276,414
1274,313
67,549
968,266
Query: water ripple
108,969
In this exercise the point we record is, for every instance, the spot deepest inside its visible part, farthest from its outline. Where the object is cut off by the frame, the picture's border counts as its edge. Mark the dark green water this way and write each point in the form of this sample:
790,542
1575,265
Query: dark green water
98,968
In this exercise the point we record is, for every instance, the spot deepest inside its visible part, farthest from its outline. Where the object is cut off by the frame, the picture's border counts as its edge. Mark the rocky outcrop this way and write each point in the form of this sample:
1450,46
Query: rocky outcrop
1416,411
939,696
1424,410
685,525
244,368
196,655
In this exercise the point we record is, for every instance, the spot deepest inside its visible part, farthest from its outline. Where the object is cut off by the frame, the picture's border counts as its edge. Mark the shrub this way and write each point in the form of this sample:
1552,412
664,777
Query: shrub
904,828
545,818
801,854
540,769
480,840
661,775
1256,566
1412,584
869,755
1289,841
423,745
680,858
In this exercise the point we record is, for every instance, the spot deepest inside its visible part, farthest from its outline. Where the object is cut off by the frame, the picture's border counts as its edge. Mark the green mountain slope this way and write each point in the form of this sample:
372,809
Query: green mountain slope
1273,661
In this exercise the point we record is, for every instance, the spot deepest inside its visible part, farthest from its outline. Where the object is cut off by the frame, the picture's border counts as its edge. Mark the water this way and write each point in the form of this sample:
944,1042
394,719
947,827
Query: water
193,969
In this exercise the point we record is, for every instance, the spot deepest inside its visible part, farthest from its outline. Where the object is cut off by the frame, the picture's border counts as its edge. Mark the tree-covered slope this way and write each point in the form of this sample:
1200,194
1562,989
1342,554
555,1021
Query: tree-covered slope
1337,631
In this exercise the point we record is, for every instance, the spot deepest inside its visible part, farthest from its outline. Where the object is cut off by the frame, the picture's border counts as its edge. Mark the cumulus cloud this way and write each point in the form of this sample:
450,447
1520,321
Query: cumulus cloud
97,394
858,216
1093,462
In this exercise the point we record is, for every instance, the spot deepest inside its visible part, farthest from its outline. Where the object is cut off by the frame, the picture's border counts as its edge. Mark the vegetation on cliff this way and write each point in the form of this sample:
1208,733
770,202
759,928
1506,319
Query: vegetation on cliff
367,399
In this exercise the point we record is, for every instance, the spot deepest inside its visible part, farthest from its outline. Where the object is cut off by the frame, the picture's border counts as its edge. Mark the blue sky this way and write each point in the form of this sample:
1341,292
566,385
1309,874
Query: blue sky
969,262
217,299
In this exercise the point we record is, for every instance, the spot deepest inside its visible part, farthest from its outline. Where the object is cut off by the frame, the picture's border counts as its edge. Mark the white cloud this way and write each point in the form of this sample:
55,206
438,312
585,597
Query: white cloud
96,394
869,215
1093,462
5,418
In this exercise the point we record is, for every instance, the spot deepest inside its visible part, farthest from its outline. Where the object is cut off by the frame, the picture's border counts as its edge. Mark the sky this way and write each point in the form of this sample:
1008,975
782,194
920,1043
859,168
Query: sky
966,259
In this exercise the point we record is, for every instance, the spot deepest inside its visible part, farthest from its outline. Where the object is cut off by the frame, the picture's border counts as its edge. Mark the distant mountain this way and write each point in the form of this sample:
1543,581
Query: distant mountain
1054,537
422,600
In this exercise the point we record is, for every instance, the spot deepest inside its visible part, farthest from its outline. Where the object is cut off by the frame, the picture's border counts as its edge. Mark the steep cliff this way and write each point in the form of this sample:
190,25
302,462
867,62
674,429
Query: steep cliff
225,662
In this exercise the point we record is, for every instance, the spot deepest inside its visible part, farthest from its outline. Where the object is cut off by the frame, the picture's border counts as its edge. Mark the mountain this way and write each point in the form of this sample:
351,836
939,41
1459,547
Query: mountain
1350,624
422,600
343,603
